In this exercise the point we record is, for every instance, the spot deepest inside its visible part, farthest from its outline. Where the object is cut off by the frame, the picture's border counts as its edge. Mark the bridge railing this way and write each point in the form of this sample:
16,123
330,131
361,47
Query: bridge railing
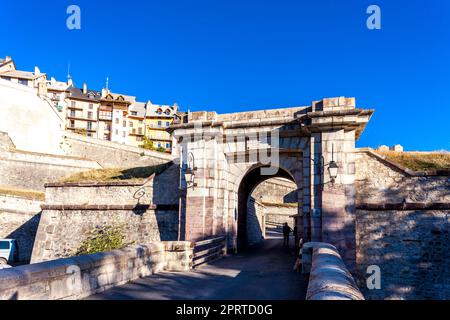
329,277
209,250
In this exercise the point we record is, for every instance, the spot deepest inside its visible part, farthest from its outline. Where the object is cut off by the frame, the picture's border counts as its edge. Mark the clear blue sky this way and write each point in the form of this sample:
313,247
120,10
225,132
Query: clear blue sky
252,54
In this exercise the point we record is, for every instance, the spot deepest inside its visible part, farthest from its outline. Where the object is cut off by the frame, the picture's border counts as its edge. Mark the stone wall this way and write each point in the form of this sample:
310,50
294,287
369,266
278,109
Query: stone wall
280,200
402,225
378,181
26,170
278,214
146,212
256,221
412,248
111,154
82,276
19,220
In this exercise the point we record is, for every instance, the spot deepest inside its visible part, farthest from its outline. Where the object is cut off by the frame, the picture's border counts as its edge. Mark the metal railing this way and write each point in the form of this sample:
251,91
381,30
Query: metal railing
209,250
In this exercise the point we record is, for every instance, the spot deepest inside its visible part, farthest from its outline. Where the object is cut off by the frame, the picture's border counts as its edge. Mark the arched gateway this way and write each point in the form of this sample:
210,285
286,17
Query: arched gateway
225,156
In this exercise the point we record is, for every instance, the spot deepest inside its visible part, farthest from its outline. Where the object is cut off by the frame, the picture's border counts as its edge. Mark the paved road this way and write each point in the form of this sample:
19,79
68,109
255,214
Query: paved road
264,273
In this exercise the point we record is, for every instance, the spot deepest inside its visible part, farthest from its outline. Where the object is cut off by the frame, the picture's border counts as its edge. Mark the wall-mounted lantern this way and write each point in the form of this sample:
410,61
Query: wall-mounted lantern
333,167
190,171
333,171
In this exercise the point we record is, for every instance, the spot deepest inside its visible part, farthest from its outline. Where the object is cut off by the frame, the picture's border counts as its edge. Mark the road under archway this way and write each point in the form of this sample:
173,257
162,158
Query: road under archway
263,273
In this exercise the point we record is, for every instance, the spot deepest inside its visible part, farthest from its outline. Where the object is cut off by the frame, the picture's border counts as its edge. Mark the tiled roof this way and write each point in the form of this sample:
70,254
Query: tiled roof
138,107
160,111
92,95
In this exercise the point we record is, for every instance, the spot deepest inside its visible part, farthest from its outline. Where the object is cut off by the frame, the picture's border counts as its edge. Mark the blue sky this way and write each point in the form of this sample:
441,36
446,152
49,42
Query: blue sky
242,55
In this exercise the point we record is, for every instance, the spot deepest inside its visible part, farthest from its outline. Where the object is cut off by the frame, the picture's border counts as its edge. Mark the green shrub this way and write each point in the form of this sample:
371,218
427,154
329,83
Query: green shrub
103,239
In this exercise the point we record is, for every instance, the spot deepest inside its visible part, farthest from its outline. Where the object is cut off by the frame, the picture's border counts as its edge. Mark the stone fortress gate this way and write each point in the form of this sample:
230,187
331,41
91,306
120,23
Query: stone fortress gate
224,158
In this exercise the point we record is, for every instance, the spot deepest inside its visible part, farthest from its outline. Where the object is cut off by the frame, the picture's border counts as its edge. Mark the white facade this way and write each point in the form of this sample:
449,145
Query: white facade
32,123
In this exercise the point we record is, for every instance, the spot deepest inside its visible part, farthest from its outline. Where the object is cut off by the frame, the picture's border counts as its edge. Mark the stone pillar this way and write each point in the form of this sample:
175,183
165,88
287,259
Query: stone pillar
338,199
202,206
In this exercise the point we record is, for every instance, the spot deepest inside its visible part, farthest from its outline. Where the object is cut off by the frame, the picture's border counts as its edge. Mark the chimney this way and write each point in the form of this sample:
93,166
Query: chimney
8,58
84,88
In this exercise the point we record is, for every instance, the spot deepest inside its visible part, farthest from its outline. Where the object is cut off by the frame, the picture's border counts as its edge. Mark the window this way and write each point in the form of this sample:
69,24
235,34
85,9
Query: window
117,120
73,104
140,130
91,106
89,125
6,78
131,124
141,122
167,145
107,127
124,123
105,136
105,115
72,124
72,113
23,82
90,114
133,113
159,144
117,132
133,131
89,134
124,134
167,124
4,245
159,124
139,139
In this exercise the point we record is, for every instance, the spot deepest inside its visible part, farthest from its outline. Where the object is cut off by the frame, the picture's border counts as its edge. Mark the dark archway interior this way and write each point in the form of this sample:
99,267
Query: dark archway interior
248,184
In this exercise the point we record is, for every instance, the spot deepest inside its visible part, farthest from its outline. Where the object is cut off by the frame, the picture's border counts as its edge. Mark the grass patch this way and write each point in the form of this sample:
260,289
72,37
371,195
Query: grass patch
109,175
23,193
419,161
103,239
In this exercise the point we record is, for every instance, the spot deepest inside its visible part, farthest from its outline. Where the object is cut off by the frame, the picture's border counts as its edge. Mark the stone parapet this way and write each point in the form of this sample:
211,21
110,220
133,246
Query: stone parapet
329,277
82,276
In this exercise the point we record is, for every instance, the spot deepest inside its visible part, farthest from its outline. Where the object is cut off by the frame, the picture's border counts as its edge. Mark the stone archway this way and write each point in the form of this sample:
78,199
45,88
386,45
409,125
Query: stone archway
248,184
216,152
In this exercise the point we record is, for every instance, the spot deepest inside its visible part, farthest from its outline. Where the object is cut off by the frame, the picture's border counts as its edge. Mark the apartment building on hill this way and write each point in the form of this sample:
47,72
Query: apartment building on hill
99,114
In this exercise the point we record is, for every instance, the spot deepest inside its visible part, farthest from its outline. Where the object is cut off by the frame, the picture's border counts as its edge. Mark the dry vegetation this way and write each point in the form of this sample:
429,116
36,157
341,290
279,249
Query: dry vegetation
108,175
28,194
419,161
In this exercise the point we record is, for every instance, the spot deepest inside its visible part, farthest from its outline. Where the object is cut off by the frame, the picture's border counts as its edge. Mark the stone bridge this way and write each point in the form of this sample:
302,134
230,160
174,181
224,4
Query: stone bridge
225,156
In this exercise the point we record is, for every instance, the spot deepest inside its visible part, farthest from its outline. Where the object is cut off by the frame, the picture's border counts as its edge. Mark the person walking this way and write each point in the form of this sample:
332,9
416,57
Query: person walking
286,233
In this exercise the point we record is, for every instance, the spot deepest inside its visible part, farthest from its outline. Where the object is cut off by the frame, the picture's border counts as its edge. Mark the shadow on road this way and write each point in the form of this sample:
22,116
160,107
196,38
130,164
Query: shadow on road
264,272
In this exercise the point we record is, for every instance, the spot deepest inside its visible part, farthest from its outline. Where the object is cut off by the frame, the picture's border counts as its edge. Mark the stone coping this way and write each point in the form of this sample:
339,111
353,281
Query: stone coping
406,171
137,207
403,206
349,112
329,277
93,184
81,276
